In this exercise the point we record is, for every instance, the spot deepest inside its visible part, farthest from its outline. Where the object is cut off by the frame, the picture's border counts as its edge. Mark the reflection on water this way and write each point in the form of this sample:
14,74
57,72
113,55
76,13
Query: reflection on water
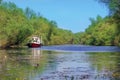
82,66
20,64
35,57
36,64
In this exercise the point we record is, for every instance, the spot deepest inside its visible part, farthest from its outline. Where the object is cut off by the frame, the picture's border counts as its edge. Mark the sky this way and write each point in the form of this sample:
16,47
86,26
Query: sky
68,14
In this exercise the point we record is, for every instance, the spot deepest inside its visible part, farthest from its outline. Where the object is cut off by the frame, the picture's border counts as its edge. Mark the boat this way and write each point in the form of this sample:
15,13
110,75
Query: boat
35,42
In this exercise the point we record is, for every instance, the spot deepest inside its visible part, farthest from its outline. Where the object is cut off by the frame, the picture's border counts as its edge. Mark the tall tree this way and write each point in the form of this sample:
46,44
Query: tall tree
29,13
0,1
113,5
114,9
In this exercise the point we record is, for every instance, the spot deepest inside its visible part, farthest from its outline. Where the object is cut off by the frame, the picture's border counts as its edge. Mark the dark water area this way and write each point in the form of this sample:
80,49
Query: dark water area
65,62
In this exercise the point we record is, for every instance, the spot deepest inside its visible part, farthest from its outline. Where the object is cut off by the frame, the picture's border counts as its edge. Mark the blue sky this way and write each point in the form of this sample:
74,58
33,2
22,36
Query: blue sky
69,14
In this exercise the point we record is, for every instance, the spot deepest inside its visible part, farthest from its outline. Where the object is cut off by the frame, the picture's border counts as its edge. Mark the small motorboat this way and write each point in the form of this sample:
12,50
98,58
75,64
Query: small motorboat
35,42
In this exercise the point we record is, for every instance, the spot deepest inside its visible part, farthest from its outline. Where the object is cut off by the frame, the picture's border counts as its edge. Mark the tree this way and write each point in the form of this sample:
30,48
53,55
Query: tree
113,5
114,9
0,1
29,13
17,26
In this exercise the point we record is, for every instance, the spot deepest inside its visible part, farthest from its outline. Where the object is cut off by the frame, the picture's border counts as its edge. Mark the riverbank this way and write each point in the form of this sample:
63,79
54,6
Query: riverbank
78,48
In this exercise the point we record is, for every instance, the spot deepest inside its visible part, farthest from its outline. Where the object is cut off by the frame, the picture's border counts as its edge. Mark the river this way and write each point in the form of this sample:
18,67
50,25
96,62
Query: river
63,62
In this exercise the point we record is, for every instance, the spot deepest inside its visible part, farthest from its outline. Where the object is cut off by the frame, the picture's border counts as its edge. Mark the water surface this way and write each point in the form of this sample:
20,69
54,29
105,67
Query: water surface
60,63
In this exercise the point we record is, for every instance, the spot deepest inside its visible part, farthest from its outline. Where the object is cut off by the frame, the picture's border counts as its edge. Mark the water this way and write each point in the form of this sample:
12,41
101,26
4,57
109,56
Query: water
83,48
68,62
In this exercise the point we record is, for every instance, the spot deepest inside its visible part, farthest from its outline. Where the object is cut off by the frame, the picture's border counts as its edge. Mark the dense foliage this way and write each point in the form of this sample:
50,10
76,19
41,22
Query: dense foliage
16,26
114,9
104,31
101,32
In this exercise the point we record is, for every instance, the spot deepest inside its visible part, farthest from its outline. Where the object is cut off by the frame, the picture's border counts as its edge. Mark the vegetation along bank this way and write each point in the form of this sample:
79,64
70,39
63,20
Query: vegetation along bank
18,25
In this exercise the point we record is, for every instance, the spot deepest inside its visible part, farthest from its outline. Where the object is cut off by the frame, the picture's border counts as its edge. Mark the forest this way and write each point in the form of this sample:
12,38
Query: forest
104,31
18,25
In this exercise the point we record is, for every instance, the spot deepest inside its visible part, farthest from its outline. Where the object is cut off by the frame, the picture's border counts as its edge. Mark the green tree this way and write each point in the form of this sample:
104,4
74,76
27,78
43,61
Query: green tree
0,1
113,5
114,9
17,26
30,13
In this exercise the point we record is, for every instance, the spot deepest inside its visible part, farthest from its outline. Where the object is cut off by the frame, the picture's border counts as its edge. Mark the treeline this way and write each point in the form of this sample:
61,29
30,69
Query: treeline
103,31
17,26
